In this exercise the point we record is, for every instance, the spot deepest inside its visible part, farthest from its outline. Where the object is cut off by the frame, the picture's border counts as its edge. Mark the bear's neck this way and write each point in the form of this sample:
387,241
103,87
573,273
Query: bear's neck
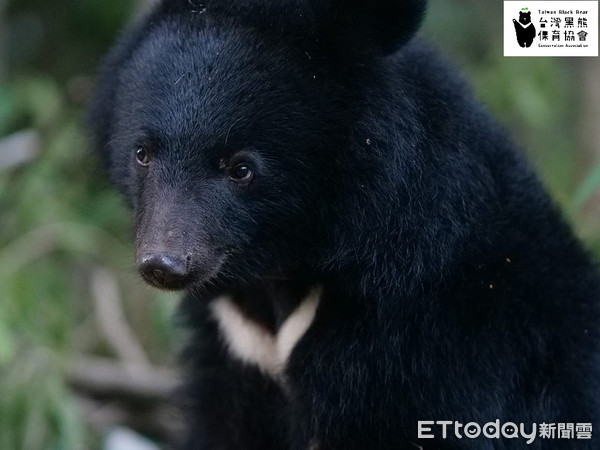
271,302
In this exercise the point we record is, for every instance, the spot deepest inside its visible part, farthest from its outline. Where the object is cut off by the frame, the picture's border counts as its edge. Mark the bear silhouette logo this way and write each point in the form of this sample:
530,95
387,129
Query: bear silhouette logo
524,28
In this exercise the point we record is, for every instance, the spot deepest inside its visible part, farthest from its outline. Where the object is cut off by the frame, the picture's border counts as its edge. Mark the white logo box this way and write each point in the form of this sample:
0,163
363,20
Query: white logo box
556,16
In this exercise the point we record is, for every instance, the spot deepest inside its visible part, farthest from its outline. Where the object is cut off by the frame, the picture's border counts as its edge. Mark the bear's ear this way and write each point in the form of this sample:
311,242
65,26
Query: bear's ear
384,25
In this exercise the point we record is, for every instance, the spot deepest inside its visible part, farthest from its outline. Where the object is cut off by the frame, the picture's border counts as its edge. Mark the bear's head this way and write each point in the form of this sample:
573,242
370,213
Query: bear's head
525,17
226,125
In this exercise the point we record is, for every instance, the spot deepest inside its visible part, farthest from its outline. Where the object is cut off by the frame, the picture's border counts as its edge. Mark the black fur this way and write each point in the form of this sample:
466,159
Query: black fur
452,288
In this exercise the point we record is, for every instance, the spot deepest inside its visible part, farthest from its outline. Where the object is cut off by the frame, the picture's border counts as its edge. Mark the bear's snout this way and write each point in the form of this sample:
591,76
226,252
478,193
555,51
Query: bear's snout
163,270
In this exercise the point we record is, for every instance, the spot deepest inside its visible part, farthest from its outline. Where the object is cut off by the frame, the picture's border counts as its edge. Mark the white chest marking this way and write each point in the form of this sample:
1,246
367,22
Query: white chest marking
253,344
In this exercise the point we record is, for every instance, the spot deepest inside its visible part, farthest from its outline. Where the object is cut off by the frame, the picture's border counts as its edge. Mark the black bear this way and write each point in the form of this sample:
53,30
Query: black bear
525,29
364,252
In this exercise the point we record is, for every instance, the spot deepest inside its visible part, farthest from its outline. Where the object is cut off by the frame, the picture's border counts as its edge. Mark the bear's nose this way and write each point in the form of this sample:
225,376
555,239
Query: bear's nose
163,269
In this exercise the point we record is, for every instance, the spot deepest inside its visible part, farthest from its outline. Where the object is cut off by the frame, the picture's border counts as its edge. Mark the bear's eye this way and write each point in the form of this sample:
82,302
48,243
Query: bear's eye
142,156
241,173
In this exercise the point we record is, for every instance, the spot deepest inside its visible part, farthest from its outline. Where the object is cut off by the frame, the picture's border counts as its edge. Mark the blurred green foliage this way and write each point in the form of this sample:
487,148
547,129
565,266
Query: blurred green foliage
59,220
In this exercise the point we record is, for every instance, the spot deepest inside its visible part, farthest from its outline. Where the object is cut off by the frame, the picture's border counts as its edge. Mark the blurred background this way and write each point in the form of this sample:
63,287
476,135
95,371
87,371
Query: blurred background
86,350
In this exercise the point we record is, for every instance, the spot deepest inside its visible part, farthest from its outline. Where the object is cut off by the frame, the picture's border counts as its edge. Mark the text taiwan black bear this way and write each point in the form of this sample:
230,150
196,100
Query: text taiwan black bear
361,245
525,29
